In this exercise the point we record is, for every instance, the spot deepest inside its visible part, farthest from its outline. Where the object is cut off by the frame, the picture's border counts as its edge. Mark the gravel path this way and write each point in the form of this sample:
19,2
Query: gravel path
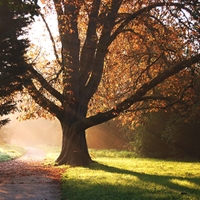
27,179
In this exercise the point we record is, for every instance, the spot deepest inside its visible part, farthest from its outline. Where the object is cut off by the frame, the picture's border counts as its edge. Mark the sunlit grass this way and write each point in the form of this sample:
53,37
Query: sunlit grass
51,153
111,153
119,175
9,152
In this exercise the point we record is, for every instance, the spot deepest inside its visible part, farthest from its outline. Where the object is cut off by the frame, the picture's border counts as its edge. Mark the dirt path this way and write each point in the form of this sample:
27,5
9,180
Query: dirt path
27,179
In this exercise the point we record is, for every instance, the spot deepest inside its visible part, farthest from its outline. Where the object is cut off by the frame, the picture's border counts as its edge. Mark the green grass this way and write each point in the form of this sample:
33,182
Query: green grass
51,153
112,153
121,176
9,152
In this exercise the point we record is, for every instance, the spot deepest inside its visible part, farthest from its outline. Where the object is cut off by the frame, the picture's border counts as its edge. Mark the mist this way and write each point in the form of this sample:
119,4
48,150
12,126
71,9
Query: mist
33,133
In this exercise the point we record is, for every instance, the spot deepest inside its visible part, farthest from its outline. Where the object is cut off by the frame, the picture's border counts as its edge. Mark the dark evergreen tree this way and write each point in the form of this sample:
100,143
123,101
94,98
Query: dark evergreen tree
14,16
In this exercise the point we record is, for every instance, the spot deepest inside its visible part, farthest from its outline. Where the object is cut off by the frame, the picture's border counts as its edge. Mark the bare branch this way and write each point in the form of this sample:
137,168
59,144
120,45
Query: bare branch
52,39
133,16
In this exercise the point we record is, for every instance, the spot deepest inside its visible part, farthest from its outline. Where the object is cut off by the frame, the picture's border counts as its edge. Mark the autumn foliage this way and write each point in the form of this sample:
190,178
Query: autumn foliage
114,59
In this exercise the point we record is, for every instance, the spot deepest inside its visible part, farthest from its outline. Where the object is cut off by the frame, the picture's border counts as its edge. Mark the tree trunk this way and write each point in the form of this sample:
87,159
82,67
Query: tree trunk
74,149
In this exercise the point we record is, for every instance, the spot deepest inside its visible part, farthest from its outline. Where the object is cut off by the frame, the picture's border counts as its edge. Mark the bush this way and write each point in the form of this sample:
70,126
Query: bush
183,137
166,134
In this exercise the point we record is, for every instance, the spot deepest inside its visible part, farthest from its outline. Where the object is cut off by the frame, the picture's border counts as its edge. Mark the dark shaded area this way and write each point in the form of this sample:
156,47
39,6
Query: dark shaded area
167,135
5,109
14,17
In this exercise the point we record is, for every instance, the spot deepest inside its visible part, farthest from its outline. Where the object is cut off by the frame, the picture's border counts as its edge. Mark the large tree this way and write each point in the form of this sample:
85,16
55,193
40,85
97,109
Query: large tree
14,17
143,42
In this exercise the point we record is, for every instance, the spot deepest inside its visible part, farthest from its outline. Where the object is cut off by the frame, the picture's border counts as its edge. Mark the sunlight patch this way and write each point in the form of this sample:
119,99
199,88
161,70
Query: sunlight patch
185,183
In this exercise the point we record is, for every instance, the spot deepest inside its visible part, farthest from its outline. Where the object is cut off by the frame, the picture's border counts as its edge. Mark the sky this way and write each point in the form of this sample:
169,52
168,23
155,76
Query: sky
39,35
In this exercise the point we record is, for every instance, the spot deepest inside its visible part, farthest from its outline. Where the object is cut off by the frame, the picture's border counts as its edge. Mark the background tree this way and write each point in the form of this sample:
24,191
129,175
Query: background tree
167,134
162,38
14,16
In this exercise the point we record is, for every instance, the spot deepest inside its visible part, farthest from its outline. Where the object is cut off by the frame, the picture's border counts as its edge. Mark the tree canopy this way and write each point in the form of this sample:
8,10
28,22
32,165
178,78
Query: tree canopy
116,56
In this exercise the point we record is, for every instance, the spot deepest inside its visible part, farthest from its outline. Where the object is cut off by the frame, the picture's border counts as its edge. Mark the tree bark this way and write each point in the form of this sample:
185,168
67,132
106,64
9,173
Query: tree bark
74,149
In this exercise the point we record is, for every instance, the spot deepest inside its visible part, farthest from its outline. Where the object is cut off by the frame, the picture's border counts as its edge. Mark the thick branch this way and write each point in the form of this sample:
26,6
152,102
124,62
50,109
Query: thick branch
89,47
102,49
157,97
34,74
58,7
137,96
70,48
42,100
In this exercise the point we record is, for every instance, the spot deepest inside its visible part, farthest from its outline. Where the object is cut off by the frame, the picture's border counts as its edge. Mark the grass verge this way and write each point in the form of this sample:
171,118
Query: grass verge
9,152
120,176
51,153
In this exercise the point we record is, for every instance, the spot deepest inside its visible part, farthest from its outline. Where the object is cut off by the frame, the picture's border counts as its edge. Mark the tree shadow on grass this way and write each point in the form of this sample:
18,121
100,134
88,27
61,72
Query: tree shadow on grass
161,180
131,185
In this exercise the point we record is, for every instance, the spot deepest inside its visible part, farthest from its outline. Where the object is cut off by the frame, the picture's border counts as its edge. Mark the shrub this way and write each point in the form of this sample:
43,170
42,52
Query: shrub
167,134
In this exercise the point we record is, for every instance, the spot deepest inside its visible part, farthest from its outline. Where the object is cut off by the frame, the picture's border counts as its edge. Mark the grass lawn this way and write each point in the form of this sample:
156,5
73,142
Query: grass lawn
121,176
9,152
